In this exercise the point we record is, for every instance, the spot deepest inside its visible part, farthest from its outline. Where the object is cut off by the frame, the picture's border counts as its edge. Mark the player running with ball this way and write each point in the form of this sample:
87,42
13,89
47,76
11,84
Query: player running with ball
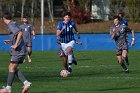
65,38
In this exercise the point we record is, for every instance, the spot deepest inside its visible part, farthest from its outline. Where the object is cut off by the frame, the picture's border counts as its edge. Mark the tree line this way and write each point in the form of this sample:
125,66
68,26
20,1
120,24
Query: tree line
31,8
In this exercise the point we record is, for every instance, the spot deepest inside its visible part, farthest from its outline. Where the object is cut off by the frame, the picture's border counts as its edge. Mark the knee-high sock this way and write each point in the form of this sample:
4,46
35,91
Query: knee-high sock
124,66
126,60
70,60
20,75
11,77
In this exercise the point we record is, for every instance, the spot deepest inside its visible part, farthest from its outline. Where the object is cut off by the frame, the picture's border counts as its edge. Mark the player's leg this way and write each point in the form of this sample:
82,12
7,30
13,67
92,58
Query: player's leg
12,68
29,48
70,58
74,60
120,60
125,56
64,59
21,77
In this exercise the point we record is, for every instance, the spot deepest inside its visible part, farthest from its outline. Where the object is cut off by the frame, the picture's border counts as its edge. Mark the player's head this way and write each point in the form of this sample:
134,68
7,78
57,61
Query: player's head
121,15
6,17
116,20
67,17
24,20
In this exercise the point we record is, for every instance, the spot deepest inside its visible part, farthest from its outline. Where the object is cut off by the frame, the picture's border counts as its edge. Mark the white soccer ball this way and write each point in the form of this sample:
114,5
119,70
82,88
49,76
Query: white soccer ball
64,73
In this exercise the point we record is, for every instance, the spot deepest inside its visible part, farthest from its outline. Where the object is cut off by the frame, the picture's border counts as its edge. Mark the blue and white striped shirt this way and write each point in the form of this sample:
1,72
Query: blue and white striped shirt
67,34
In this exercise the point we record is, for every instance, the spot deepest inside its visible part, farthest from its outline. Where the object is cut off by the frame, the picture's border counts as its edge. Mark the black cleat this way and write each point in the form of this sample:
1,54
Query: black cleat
74,62
127,71
127,63
70,69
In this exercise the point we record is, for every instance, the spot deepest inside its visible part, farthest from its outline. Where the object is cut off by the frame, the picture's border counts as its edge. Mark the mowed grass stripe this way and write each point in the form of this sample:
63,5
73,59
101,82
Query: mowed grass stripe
96,72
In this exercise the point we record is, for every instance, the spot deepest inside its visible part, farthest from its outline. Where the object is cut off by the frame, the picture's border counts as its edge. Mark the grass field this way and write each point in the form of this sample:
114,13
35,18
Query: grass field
96,72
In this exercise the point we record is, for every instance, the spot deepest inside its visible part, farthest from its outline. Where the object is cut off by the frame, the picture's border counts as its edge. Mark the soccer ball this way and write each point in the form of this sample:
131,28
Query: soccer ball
64,73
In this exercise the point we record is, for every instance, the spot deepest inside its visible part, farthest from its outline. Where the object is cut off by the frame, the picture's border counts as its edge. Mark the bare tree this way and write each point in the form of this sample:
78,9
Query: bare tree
22,9
50,6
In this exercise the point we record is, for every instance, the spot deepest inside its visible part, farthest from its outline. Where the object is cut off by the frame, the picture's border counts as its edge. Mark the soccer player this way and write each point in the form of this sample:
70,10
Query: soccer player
122,21
64,57
65,37
119,34
18,50
28,31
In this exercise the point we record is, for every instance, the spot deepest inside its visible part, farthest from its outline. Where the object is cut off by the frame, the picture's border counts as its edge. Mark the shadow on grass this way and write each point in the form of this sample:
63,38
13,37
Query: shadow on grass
123,88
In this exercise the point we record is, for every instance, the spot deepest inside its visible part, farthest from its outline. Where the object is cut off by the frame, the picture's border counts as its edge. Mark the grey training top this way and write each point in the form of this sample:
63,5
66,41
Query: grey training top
14,29
27,32
121,35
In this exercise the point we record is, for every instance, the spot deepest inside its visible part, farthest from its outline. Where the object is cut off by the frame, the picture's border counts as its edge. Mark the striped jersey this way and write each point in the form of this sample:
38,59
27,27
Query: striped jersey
67,34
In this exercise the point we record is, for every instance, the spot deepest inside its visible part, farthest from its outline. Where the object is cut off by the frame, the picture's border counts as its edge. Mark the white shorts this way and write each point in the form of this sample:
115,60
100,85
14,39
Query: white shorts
66,45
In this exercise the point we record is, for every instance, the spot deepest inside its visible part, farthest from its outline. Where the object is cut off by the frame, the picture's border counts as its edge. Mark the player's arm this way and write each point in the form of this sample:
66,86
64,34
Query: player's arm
133,34
7,41
19,35
33,33
80,43
77,32
58,39
112,33
58,32
133,37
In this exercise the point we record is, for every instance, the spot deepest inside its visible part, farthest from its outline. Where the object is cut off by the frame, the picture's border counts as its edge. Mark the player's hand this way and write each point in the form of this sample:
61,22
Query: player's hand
34,37
63,28
78,36
113,31
80,43
133,43
14,46
6,41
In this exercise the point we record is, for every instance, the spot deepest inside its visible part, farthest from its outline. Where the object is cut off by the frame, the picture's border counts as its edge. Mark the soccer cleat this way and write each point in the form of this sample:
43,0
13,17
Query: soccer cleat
126,71
29,60
26,87
69,69
4,90
127,63
74,62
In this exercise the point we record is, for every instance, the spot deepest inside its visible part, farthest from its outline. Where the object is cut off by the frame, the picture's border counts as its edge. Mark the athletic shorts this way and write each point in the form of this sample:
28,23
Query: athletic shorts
28,44
61,53
17,59
66,45
120,49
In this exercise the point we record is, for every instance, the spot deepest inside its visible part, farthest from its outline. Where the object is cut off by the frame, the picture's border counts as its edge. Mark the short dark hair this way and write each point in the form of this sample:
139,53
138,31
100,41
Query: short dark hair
116,17
67,14
7,16
122,14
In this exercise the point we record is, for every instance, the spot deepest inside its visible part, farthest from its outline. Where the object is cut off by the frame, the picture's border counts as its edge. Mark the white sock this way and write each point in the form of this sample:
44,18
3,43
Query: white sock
28,56
8,87
70,58
25,82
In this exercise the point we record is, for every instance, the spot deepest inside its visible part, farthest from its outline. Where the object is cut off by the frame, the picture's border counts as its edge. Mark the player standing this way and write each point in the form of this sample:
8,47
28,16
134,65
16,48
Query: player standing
119,34
65,37
17,55
28,31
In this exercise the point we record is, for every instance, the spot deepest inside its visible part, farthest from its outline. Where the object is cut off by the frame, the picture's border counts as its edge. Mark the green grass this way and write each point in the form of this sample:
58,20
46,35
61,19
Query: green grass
96,72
